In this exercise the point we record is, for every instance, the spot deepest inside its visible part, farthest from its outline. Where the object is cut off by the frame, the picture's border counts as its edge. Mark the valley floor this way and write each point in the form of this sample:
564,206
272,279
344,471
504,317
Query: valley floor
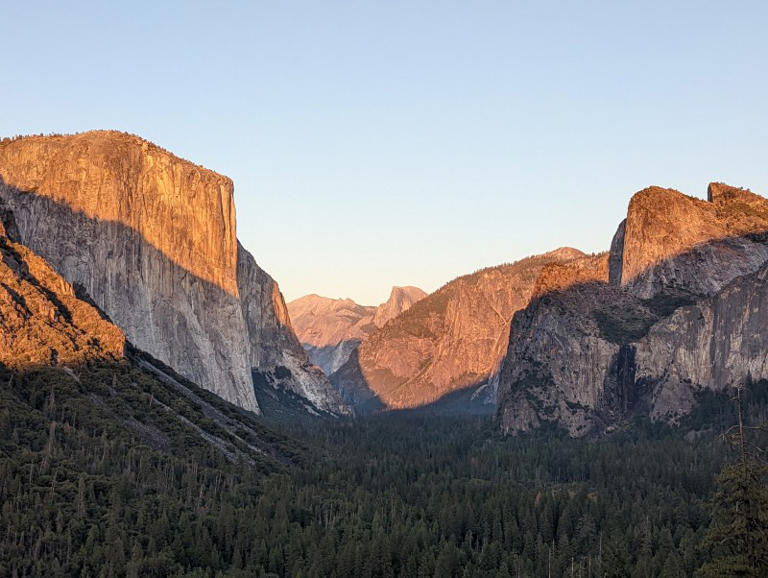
424,496
395,495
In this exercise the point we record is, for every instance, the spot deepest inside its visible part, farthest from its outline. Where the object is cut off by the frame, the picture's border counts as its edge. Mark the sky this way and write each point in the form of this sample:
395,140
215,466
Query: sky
389,143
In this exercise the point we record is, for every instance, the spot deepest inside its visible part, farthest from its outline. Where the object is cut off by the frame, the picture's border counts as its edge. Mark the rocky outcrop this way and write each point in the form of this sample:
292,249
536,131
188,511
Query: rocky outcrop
330,329
42,322
675,308
670,241
152,239
719,341
451,340
400,300
275,351
558,367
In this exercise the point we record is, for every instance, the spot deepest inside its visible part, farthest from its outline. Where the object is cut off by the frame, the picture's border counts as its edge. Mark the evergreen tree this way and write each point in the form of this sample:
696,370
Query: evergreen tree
738,534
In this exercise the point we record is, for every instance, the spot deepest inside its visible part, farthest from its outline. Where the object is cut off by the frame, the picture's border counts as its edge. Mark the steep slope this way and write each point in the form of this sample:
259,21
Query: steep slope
151,238
674,309
330,329
58,347
41,320
451,340
559,361
277,358
717,342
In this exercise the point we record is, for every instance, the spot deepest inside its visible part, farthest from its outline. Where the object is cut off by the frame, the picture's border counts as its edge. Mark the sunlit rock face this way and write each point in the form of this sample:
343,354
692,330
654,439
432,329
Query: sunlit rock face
673,241
151,238
675,308
42,322
330,329
450,340
400,300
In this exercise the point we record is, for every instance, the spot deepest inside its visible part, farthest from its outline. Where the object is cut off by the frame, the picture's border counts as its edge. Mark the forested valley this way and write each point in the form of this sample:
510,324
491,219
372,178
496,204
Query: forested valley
401,494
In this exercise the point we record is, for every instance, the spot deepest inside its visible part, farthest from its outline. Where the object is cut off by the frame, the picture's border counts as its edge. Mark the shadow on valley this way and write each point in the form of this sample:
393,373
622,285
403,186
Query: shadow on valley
137,403
280,404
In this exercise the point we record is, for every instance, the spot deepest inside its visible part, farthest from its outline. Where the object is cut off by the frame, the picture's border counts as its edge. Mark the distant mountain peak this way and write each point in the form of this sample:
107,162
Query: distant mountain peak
330,329
564,253
400,300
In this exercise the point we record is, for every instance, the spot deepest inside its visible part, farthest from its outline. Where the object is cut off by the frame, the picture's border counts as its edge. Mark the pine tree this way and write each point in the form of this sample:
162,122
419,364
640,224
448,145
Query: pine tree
738,533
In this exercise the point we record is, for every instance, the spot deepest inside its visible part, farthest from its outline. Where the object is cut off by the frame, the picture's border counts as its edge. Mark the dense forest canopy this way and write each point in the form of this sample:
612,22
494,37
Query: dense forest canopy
404,494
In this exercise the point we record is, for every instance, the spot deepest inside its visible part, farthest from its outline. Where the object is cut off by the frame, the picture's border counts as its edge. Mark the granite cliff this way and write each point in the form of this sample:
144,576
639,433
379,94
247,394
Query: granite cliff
151,238
276,356
67,369
449,341
673,309
671,241
42,322
330,329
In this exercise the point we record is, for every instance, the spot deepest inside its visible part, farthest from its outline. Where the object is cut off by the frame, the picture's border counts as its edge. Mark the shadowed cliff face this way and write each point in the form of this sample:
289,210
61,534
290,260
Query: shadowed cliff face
451,340
151,239
676,308
42,322
276,352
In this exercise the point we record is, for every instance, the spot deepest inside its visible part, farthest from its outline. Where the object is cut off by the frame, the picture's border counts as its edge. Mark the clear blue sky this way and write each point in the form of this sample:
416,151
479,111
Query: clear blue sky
381,143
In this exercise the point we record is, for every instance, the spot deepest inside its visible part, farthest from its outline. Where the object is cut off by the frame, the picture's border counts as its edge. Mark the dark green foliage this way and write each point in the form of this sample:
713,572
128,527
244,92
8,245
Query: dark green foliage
107,470
624,325
737,538
397,495
738,535
663,304
450,497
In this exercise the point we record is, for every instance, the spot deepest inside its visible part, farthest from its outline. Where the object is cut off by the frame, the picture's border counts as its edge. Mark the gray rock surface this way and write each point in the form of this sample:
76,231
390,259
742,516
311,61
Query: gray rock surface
718,342
151,238
275,350
676,307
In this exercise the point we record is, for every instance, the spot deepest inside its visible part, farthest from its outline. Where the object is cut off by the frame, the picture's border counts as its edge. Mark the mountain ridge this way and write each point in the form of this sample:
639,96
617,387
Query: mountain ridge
330,329
450,340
